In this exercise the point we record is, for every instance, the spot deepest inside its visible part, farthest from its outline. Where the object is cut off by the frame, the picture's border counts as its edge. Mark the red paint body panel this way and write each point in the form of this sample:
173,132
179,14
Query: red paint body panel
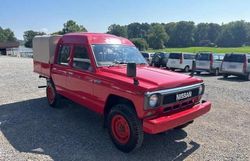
165,123
42,68
92,89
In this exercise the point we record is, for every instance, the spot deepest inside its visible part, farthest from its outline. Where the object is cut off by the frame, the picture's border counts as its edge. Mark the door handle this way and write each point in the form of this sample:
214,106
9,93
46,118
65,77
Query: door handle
70,73
96,81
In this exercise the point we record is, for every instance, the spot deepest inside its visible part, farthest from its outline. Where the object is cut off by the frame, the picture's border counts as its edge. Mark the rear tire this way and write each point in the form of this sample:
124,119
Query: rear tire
248,77
125,129
216,72
225,76
186,69
51,94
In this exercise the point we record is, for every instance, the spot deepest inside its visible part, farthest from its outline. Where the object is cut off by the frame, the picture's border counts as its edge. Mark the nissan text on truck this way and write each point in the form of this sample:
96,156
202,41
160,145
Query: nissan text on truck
108,75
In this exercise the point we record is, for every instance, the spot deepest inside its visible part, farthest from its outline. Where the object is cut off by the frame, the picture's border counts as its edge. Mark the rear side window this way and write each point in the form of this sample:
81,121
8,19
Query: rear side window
64,55
203,57
81,58
189,56
218,57
145,55
175,55
239,58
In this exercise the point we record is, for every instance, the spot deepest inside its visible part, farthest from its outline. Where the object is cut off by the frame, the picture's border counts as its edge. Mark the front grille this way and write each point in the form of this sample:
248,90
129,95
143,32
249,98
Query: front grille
171,98
173,108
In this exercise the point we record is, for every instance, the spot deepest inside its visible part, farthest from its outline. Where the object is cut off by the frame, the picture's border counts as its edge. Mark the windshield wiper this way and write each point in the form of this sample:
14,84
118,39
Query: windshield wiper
143,63
120,62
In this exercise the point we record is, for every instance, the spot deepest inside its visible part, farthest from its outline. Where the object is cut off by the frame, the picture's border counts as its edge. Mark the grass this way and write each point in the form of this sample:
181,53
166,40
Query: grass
211,49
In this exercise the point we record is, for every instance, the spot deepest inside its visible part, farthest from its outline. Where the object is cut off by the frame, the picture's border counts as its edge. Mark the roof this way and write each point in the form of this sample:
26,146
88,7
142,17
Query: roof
95,38
4,45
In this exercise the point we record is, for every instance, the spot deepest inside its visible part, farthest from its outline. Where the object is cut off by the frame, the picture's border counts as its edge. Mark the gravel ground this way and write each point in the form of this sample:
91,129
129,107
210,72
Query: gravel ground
31,130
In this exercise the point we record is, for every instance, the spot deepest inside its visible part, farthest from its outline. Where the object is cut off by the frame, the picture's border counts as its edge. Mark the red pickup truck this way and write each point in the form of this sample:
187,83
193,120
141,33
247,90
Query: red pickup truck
109,75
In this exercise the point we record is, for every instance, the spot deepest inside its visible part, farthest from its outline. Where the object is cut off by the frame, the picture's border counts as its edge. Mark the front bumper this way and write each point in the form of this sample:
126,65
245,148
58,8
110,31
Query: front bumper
234,73
164,123
203,70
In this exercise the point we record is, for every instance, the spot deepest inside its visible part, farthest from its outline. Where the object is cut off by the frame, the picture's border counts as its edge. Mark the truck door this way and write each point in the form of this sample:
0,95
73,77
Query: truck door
59,69
80,77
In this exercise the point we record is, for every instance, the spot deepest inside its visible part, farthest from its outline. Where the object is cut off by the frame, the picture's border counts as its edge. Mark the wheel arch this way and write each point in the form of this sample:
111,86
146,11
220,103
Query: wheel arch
113,100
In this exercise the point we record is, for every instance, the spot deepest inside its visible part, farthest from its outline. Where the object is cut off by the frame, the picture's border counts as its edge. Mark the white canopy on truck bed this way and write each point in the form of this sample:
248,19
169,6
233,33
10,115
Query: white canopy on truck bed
44,48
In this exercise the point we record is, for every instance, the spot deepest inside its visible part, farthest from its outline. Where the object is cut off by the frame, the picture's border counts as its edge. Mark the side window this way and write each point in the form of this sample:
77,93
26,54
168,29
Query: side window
216,57
64,55
188,56
81,59
248,60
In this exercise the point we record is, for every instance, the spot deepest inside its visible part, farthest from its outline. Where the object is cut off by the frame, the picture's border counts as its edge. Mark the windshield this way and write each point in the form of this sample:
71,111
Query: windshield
234,58
175,55
145,55
205,56
108,54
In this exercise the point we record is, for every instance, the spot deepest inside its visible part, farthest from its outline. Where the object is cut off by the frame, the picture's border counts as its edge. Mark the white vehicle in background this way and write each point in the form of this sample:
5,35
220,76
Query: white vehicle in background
183,61
208,62
236,64
148,56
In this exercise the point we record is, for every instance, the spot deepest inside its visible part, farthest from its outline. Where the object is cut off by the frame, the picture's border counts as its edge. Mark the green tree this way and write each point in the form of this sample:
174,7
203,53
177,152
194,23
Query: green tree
214,31
28,37
157,37
70,26
206,32
140,43
117,30
201,33
6,35
233,34
182,34
137,30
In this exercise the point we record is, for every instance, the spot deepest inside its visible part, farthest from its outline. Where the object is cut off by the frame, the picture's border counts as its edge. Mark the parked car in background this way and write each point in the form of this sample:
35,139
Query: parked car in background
236,64
147,56
159,59
183,61
208,62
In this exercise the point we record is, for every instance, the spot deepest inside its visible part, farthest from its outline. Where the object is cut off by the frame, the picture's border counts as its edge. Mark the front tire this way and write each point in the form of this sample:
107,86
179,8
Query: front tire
125,129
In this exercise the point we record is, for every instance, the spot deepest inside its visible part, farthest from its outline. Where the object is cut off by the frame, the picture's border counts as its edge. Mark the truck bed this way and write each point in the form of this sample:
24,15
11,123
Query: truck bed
43,53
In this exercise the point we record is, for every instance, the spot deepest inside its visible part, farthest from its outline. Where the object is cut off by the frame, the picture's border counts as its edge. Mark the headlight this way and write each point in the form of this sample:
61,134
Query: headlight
201,89
153,100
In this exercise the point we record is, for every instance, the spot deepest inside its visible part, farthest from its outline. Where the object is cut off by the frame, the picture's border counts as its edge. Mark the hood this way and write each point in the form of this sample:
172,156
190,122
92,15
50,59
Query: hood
151,78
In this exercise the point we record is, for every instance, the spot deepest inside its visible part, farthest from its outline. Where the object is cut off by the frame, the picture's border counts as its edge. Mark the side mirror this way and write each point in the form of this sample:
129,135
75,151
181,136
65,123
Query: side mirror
131,69
193,67
131,72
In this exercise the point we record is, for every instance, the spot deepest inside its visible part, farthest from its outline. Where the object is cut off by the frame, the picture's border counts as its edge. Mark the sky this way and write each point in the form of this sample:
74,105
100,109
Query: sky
96,15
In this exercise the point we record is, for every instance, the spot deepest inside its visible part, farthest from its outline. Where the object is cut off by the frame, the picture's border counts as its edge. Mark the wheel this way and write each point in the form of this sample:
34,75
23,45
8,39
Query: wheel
225,76
51,94
216,72
125,129
248,77
198,73
172,69
186,69
184,125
